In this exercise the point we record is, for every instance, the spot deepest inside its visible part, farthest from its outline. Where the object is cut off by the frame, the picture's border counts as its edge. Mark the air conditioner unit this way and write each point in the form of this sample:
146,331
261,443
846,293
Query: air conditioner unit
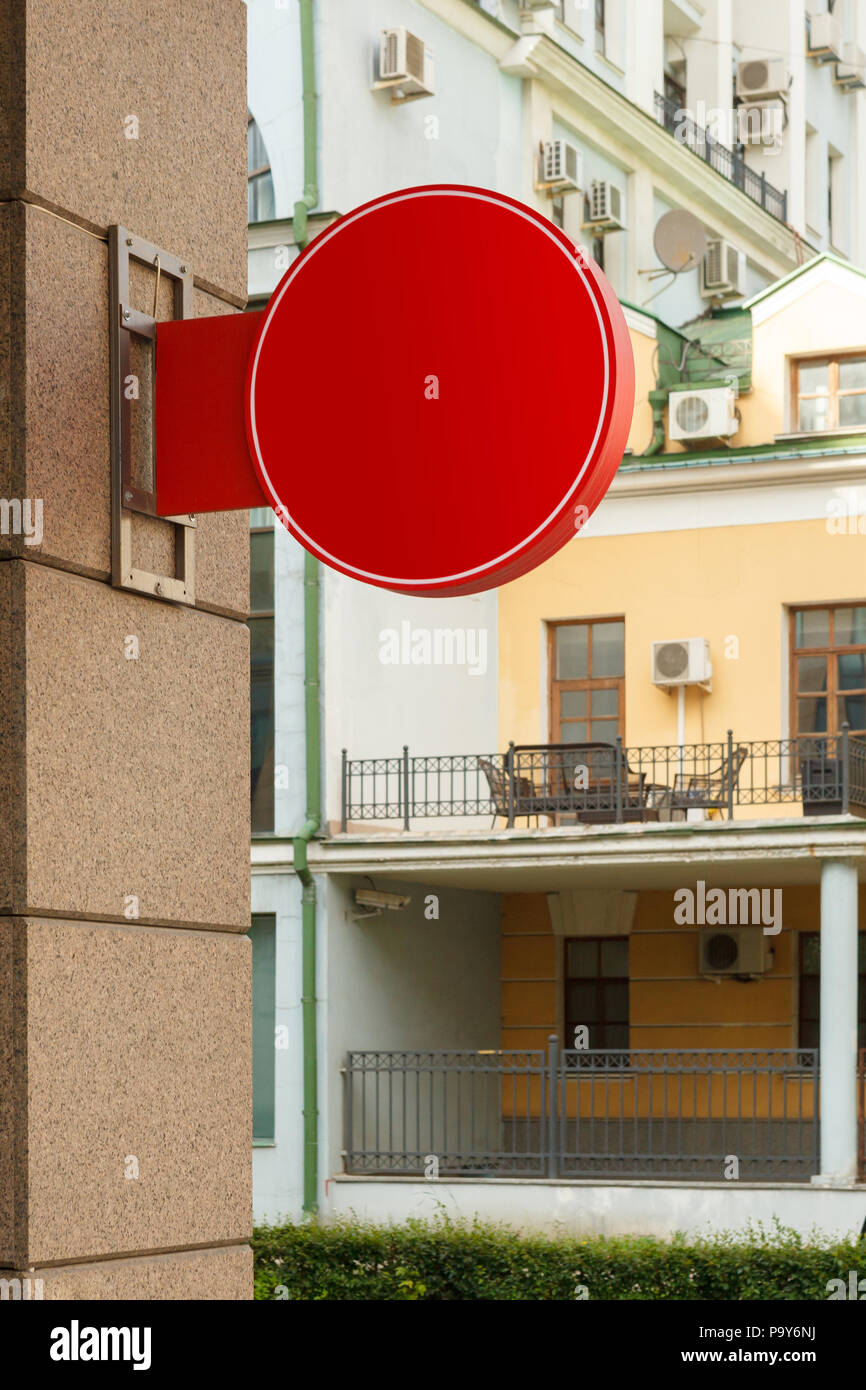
604,206
405,63
706,413
761,122
561,167
851,71
825,36
758,79
733,951
723,271
683,661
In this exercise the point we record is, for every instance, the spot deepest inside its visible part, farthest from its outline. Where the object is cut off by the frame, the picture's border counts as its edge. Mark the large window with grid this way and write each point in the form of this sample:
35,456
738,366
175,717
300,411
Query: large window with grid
596,990
828,669
808,1034
587,688
261,625
829,393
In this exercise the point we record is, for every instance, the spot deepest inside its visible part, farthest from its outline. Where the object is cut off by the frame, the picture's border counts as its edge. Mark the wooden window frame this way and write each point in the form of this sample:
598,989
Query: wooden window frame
861,981
599,980
832,692
832,362
589,683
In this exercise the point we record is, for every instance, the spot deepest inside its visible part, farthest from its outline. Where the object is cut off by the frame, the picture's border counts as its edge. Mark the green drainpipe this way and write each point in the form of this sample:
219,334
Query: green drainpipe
310,195
658,400
311,688
308,884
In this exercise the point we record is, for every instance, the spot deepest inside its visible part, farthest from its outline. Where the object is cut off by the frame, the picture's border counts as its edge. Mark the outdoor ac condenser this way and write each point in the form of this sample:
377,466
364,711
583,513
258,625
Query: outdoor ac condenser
604,206
758,79
733,951
825,35
723,270
684,661
405,62
561,166
709,413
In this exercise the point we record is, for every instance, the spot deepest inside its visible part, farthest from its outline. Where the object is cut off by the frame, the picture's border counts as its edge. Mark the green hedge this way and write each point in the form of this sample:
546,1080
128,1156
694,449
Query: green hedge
446,1260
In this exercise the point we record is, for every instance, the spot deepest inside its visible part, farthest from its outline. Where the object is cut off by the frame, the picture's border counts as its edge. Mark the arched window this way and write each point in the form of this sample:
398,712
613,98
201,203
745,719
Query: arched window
260,184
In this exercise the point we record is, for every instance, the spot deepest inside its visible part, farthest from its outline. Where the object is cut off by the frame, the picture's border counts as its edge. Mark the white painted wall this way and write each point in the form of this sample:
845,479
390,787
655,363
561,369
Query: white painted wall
605,1209
404,982
373,707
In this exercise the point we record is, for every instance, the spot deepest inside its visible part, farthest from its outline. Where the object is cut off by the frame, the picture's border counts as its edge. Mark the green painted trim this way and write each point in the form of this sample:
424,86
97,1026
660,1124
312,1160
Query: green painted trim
757,454
308,885
310,195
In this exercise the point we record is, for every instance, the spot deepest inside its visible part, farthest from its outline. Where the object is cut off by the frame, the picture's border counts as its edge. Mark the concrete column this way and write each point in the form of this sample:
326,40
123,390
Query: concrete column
838,1040
125,1115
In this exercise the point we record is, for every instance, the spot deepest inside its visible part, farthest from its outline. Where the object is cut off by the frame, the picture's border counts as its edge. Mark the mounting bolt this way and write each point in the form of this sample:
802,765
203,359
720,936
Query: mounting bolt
127,497
129,241
183,270
126,314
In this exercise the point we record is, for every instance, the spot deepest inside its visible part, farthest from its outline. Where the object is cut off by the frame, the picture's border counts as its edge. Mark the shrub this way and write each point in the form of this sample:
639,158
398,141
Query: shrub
447,1260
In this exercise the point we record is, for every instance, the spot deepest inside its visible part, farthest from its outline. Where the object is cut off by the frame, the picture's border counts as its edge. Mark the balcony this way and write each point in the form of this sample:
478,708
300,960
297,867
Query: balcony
586,1114
609,783
731,165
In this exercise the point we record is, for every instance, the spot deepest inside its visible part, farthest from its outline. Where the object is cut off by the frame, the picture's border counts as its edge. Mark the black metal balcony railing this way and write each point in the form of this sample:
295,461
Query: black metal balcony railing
729,163
610,783
624,1114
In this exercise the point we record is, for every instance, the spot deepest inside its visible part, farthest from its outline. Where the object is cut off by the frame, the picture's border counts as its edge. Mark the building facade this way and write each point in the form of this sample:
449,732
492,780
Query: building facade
550,999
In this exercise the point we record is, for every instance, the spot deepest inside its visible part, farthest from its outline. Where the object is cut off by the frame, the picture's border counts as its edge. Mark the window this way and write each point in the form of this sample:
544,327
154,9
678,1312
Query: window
263,936
558,212
596,990
828,669
587,662
260,183
808,1034
830,393
599,25
261,625
598,251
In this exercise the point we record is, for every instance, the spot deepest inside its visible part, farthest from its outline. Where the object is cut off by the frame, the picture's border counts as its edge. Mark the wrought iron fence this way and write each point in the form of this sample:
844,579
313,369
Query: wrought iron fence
729,163
609,782
626,1114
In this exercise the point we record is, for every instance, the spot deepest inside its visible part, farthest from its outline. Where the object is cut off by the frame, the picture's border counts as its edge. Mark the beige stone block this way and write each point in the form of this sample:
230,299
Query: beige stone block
12,726
54,418
224,1273
131,1074
98,71
137,771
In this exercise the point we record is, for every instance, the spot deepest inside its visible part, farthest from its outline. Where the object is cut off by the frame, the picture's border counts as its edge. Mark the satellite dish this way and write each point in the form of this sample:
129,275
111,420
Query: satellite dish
680,240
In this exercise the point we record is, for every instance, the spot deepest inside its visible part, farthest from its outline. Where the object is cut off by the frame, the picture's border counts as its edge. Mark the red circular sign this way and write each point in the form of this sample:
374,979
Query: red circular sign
440,392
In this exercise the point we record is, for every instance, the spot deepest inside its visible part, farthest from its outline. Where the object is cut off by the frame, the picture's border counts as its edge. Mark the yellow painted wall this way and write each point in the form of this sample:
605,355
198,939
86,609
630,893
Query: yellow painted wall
829,318
719,583
671,1005
641,432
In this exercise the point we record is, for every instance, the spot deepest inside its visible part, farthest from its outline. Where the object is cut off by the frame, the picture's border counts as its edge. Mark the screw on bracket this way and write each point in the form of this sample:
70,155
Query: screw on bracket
127,496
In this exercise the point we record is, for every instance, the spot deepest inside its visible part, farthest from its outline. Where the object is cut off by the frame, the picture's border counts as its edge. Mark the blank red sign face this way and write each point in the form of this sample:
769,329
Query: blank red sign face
440,392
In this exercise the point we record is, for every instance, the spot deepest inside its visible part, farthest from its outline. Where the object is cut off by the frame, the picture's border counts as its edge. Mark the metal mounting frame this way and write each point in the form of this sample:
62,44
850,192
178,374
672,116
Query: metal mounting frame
126,496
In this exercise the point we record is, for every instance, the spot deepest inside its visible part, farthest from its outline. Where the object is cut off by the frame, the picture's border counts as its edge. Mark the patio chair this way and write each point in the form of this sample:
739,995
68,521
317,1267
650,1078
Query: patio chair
527,801
708,791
